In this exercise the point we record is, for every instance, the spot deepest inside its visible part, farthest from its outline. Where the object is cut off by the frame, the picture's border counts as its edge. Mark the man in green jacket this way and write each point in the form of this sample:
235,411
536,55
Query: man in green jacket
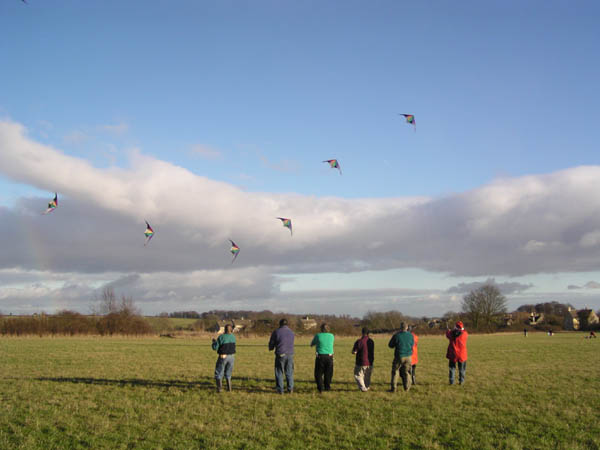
402,342
225,347
324,361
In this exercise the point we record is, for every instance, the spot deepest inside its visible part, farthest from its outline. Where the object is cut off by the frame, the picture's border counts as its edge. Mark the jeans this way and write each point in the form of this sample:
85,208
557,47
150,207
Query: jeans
405,367
362,375
323,372
224,365
462,368
284,364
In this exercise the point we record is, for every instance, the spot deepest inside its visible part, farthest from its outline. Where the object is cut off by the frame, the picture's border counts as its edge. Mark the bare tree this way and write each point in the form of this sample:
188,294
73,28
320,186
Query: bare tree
483,305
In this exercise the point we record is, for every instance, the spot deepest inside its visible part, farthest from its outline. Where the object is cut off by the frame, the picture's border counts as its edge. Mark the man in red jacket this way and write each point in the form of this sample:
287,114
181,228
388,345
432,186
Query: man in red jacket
457,352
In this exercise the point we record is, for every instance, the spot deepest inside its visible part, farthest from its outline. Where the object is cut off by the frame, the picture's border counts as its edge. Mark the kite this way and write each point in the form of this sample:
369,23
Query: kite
149,233
53,204
334,164
410,119
234,250
286,223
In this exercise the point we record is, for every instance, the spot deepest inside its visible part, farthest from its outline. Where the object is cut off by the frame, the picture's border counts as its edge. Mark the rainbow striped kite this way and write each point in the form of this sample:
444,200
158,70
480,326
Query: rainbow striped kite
410,119
148,233
286,223
234,250
53,204
334,164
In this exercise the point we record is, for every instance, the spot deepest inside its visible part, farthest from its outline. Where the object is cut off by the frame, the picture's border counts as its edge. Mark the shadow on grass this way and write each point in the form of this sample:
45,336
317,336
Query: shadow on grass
242,384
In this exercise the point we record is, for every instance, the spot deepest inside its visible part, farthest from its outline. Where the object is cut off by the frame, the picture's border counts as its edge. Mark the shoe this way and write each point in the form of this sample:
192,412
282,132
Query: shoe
290,391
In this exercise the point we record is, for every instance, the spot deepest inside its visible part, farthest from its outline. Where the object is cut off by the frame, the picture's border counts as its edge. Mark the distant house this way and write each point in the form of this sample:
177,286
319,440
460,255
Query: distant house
571,320
587,318
535,318
508,320
435,323
308,323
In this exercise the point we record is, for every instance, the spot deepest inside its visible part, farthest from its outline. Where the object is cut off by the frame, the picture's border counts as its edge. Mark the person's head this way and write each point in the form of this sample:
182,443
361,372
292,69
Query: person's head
403,326
283,322
365,331
460,325
228,329
325,328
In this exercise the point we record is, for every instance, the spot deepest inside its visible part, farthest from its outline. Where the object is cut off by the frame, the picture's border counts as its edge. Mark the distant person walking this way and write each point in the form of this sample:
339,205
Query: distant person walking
364,349
525,332
402,343
457,352
323,342
282,341
414,357
225,347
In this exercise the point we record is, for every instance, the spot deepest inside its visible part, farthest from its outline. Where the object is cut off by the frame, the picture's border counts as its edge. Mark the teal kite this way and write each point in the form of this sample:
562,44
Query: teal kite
334,164
287,223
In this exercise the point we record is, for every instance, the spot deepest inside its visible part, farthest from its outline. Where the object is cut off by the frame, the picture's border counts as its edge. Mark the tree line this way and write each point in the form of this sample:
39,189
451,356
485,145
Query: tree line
483,309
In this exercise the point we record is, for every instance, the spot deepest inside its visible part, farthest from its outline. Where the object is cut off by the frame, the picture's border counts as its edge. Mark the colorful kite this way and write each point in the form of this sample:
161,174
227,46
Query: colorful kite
148,233
234,250
410,119
334,164
286,223
53,204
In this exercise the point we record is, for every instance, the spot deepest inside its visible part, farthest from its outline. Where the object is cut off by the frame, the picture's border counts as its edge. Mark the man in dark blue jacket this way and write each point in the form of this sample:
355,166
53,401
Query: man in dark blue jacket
282,341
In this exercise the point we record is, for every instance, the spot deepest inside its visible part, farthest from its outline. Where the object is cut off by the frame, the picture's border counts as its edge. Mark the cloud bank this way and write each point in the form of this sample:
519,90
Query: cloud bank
510,227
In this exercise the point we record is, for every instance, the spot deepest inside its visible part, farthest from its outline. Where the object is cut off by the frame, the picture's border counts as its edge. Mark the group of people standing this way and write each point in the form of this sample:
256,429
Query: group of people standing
404,365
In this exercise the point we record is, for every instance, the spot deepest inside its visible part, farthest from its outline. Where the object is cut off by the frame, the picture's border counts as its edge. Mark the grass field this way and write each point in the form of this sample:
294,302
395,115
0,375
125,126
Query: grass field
535,392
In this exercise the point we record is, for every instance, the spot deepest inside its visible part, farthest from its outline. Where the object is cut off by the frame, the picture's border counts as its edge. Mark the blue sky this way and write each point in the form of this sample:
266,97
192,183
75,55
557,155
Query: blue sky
256,94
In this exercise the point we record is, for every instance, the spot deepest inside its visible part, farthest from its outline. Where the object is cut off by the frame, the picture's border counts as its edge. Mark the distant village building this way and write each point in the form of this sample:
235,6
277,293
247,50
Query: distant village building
308,323
587,318
435,323
571,321
508,320
581,319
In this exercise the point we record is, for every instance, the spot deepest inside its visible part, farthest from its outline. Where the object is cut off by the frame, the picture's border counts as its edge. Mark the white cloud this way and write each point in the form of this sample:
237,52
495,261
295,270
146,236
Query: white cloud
76,137
116,129
206,152
518,226
591,239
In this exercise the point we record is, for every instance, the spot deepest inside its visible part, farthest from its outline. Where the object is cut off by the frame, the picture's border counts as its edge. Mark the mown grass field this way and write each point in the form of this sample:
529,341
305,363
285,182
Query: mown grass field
535,392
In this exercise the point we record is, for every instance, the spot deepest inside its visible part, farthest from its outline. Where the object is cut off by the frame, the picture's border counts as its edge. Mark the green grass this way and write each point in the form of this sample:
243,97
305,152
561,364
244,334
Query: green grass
535,392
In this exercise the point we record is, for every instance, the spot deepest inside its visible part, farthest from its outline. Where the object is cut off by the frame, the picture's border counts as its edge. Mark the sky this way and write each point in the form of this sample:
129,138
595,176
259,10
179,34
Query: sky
212,119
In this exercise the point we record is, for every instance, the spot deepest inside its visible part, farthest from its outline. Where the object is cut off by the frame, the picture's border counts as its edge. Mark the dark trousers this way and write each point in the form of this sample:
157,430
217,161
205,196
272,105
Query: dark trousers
323,372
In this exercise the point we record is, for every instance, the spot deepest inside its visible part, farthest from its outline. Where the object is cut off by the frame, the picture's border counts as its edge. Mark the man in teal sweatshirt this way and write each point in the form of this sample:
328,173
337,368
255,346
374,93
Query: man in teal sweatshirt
225,347
402,343
324,361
